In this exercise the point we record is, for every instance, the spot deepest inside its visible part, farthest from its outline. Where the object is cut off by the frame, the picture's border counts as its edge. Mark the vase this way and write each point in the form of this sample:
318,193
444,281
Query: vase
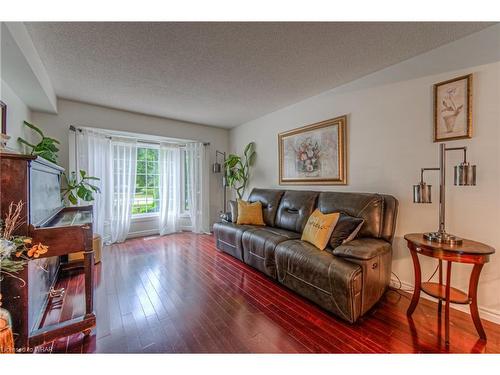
6,336
449,122
3,142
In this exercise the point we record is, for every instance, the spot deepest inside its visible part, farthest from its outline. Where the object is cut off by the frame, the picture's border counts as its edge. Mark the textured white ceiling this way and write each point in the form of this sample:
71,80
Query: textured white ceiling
223,74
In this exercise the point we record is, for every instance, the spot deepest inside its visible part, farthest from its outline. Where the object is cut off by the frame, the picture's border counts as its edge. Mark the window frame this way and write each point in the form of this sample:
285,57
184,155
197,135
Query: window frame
183,212
182,196
146,215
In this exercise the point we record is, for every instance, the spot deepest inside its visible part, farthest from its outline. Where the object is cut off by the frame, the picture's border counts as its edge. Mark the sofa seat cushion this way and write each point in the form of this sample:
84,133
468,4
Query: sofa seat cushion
228,237
259,245
330,281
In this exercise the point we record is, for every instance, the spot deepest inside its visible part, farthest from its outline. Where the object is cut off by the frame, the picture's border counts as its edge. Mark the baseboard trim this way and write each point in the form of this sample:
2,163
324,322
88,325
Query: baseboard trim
143,233
485,313
154,232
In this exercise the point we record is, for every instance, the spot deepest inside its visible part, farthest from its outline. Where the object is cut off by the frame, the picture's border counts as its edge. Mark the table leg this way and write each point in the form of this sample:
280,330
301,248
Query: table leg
447,307
440,266
474,281
418,280
88,263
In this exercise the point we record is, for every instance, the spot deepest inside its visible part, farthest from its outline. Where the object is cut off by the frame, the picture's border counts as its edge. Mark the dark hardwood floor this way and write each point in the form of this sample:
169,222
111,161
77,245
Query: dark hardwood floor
178,294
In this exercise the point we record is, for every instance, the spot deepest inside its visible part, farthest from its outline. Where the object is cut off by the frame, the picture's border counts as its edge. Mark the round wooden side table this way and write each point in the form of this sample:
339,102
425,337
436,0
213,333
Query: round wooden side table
470,252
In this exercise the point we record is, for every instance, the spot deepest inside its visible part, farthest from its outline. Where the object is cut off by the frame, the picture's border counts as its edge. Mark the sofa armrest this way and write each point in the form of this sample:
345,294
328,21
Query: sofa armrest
226,217
362,248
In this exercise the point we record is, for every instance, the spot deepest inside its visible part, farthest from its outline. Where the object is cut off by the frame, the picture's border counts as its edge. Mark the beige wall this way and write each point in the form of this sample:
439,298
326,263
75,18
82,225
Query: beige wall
390,139
81,114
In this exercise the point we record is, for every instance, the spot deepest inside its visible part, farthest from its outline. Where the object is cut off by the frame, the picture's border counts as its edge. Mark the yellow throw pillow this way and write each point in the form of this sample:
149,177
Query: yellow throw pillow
250,213
319,228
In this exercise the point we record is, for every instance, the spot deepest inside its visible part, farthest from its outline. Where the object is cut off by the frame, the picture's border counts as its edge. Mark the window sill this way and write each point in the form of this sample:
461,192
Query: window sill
145,217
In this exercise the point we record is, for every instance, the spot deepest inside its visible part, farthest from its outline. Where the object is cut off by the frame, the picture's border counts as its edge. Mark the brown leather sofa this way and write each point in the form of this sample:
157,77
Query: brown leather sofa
347,280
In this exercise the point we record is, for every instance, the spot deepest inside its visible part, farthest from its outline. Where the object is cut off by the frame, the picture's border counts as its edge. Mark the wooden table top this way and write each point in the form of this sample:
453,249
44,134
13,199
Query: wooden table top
467,246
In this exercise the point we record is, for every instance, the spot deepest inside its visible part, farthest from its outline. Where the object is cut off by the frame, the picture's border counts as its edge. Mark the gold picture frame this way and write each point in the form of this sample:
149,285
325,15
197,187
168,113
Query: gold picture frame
453,109
314,154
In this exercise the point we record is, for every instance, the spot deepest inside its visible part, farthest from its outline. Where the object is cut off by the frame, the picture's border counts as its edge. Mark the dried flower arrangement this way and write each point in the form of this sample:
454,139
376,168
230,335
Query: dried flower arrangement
16,250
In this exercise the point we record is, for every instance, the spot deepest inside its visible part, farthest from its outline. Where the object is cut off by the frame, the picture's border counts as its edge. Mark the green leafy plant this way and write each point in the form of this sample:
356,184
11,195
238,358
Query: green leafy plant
79,186
237,169
46,148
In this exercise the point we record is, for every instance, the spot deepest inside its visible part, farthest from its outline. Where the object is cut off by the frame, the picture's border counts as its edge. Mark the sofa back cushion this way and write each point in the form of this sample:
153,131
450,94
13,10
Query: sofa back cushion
270,200
295,208
367,206
391,206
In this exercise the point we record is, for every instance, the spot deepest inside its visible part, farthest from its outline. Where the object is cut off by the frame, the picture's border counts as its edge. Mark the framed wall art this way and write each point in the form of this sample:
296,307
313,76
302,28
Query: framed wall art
453,109
314,154
3,117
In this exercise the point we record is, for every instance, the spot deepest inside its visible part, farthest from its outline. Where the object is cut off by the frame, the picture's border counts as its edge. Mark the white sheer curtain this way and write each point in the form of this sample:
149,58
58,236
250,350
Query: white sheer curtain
198,187
124,152
93,155
170,185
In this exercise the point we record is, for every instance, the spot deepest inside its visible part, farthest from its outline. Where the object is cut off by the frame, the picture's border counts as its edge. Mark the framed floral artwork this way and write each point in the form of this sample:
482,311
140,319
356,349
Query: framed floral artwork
453,109
314,154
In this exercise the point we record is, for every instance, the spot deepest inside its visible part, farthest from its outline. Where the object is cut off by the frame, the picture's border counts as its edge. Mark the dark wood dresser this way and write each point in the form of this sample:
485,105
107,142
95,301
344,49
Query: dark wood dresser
64,230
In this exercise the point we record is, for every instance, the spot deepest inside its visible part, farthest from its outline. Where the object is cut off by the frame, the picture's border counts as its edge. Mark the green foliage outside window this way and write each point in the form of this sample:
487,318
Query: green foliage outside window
147,194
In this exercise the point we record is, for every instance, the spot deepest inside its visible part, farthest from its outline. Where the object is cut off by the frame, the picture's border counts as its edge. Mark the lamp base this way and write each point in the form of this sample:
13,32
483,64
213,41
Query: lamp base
443,237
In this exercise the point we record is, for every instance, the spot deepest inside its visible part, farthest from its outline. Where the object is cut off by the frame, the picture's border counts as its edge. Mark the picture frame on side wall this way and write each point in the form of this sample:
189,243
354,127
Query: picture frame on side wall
453,109
314,154
3,117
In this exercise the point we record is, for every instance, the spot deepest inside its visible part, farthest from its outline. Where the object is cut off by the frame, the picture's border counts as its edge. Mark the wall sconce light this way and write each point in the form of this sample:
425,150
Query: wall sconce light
465,175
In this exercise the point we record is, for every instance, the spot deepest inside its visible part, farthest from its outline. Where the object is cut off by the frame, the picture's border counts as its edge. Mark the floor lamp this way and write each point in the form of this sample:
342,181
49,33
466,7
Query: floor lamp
465,175
218,168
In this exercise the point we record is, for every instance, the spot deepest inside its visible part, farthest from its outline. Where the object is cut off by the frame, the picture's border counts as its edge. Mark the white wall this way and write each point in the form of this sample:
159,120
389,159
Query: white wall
23,69
390,139
17,113
82,114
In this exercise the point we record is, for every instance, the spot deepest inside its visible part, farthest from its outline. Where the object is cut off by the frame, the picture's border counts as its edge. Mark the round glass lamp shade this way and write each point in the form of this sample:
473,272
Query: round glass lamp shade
422,193
465,175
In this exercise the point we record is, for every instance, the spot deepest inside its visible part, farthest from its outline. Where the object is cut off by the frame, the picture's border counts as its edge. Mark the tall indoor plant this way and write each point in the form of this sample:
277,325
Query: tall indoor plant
237,169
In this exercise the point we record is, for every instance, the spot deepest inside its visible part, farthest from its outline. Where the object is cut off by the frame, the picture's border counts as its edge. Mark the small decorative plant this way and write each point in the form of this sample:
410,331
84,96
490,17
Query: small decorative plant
15,250
46,148
79,186
237,169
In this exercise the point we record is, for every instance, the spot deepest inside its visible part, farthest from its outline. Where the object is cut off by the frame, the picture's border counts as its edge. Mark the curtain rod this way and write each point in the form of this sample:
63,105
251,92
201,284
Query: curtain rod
74,129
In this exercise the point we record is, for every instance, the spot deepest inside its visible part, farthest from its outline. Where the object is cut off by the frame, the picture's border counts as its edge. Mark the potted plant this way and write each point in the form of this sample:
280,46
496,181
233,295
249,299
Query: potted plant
237,169
79,186
46,148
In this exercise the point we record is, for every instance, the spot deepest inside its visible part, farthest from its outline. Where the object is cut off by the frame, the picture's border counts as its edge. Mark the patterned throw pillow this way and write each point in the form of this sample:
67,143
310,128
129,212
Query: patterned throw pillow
250,213
346,230
319,228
